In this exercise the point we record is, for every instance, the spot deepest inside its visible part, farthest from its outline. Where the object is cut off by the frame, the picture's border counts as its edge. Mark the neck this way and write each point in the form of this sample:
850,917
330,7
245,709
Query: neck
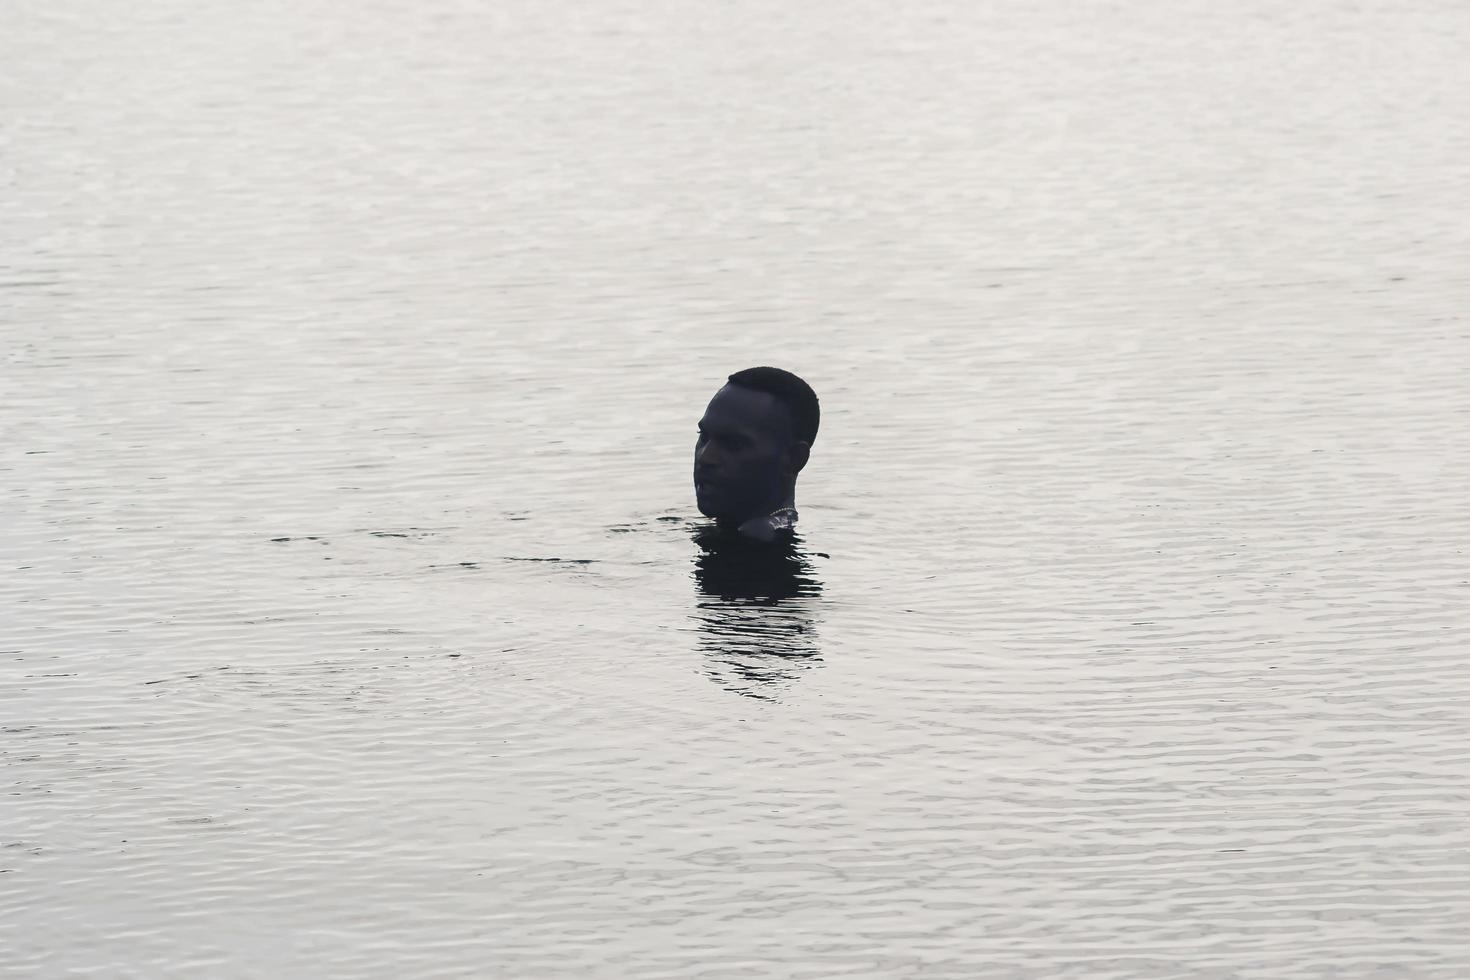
784,500
787,498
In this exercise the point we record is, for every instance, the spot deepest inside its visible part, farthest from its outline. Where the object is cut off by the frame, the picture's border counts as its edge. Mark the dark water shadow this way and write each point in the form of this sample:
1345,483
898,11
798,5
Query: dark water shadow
755,612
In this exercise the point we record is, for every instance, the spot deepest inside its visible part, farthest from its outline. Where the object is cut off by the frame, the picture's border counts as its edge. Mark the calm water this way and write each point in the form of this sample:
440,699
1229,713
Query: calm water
355,621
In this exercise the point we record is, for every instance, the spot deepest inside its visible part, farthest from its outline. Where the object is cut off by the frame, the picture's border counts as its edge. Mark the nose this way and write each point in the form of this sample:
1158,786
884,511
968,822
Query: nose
707,456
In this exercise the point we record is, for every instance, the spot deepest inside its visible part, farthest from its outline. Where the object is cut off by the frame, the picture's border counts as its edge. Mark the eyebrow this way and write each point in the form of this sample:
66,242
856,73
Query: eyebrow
726,430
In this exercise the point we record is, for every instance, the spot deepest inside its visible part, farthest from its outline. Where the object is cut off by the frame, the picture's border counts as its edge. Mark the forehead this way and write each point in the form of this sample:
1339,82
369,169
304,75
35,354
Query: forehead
736,407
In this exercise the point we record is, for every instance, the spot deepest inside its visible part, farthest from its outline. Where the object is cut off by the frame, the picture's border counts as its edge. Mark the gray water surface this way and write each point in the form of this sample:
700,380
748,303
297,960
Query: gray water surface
352,621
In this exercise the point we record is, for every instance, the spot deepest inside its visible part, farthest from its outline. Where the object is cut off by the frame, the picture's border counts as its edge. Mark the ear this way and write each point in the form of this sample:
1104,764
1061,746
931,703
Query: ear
800,453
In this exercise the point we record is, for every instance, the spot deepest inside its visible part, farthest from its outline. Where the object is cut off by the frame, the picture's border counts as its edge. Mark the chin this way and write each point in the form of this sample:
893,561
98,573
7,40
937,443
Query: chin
713,511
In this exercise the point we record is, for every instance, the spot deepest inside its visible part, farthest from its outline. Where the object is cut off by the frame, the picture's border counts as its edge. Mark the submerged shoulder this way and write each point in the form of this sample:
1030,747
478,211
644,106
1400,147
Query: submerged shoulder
770,527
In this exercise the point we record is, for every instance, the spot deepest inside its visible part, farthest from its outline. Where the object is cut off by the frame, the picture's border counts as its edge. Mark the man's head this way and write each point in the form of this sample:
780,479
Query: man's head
755,437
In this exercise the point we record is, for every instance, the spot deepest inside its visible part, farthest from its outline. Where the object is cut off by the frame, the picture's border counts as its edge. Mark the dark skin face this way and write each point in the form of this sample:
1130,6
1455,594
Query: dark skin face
747,458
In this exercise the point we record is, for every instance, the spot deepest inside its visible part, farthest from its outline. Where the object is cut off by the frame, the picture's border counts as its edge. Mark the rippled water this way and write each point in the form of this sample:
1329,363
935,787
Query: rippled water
355,617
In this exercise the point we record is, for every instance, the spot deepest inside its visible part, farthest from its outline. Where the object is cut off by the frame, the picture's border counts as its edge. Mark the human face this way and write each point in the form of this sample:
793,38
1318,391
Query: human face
742,460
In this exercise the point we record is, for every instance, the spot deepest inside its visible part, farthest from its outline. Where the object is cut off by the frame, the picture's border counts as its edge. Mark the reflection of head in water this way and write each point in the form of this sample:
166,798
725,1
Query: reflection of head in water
755,611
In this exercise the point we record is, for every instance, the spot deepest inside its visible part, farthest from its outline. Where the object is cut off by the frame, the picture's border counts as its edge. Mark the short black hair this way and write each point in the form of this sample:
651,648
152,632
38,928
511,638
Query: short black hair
791,391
